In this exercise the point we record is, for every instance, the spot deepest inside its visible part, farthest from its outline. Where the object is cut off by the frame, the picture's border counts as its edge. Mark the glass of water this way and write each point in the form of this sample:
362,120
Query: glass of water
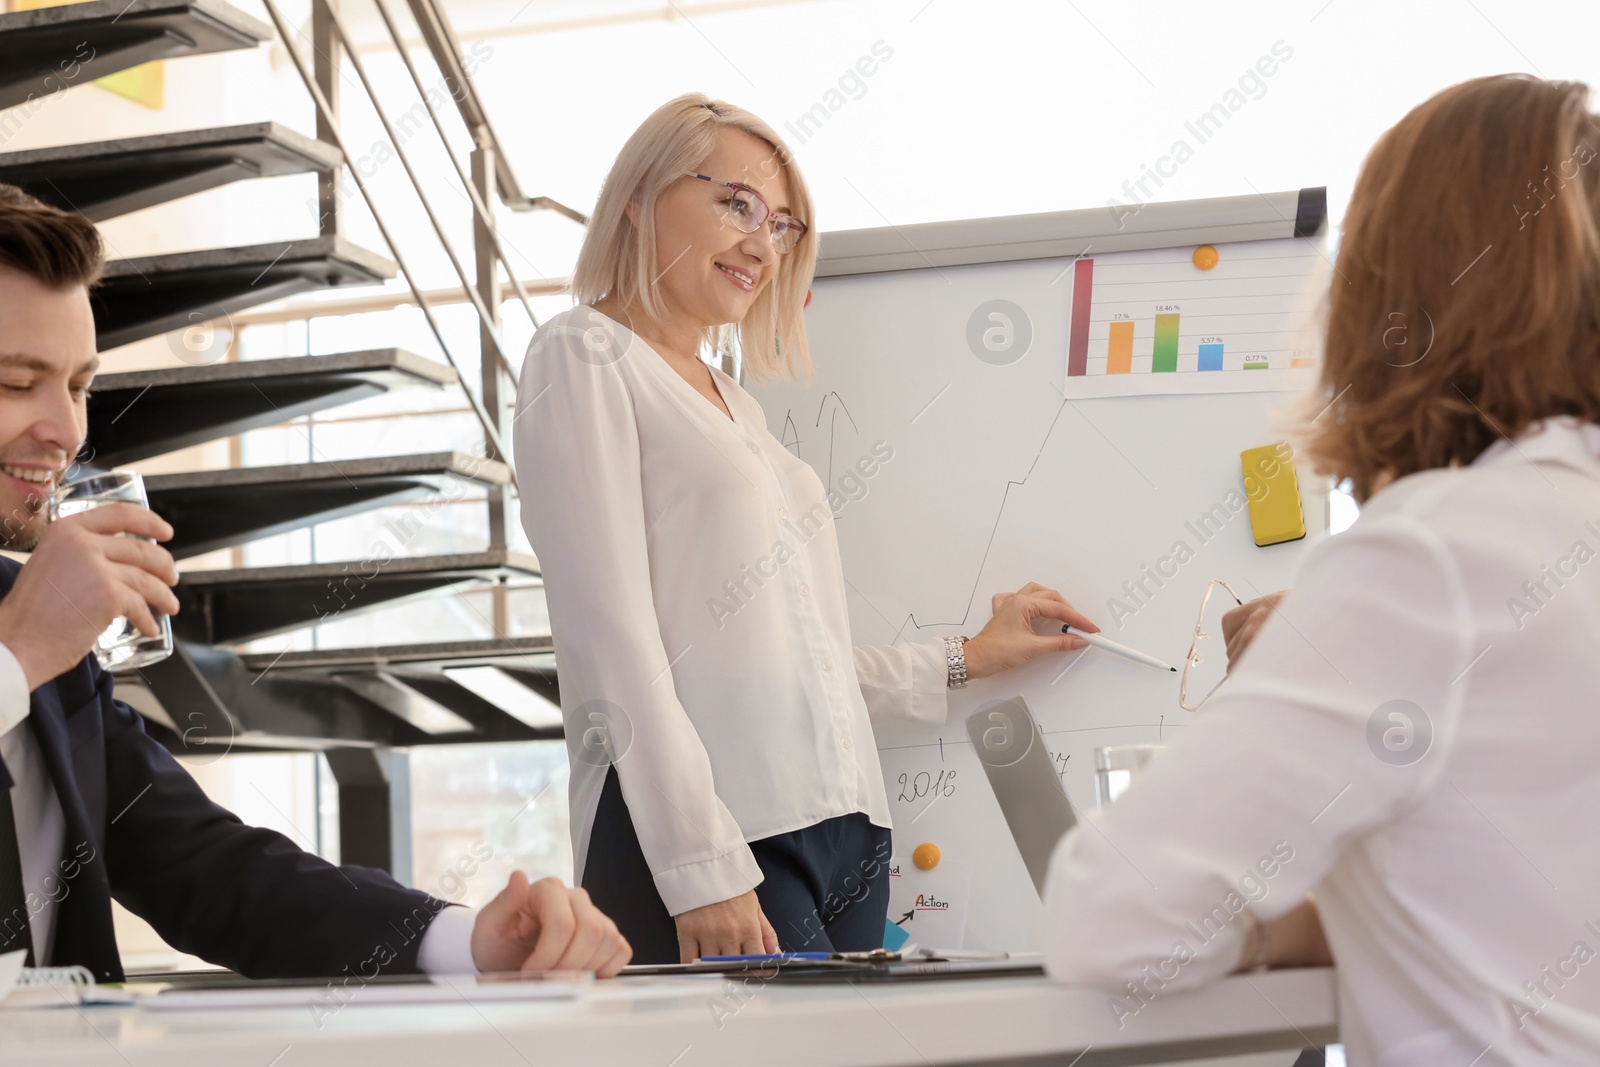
1115,767
122,646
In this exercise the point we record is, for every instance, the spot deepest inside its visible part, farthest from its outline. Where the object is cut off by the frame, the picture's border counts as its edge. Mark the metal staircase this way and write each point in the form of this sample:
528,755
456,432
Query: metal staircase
211,697
151,295
183,406
216,509
52,49
104,179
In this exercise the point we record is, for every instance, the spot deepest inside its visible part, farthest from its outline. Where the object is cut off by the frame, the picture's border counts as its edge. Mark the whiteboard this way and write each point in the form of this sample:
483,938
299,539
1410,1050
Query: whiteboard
995,479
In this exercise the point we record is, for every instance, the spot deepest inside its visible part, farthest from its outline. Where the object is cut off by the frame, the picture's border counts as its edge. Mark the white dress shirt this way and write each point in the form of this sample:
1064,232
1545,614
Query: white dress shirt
697,605
446,945
41,826
1415,738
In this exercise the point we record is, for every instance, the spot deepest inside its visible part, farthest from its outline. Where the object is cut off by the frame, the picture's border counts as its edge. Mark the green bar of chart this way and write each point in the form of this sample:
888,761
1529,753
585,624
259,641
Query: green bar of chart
1166,349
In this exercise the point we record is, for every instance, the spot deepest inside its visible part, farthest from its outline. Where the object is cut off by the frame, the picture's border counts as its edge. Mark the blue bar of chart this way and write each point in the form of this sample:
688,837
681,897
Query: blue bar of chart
1210,355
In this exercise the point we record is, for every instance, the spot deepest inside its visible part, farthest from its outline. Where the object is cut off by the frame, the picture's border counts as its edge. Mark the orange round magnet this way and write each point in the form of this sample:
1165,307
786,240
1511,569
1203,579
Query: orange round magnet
1205,257
926,856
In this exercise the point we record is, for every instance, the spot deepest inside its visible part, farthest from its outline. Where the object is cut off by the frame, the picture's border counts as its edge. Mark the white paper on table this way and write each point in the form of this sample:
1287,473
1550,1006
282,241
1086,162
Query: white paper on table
437,990
930,906
51,987
11,970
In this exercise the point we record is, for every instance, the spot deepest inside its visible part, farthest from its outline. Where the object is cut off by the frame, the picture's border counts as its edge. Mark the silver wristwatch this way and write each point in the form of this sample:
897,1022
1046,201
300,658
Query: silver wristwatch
955,657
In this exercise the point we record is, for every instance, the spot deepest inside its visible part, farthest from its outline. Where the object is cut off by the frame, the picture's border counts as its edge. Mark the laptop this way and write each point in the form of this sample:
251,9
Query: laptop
1012,749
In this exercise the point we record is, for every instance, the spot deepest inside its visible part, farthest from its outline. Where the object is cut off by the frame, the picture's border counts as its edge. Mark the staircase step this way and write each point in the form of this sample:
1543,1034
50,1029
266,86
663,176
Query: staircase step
134,415
104,179
151,295
505,688
216,509
535,653
224,607
207,701
54,48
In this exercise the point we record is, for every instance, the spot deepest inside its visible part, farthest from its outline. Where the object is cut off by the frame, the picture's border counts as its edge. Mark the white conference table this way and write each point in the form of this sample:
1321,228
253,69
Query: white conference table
703,1021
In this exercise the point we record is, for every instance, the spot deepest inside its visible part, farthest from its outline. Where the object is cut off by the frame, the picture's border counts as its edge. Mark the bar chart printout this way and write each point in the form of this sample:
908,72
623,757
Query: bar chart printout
1152,322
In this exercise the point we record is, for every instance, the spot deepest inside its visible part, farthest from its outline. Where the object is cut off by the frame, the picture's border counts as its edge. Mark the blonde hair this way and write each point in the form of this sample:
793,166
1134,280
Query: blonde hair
618,257
1497,169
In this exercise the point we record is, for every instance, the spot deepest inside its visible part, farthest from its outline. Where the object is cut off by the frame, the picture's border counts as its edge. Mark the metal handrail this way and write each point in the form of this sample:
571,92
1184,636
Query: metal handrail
442,43
326,113
492,330
446,51
479,208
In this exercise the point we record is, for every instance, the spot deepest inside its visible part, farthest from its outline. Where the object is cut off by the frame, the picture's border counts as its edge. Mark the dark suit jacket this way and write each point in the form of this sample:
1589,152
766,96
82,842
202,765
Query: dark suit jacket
140,830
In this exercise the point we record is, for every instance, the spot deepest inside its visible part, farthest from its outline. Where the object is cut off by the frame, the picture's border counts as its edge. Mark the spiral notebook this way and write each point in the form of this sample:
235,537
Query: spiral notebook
51,987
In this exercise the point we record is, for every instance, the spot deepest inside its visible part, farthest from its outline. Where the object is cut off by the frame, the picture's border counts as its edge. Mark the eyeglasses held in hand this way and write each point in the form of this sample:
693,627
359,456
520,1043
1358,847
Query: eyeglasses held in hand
748,212
1195,647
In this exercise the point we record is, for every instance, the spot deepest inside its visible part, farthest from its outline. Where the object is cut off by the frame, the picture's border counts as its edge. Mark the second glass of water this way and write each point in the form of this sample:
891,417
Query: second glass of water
1115,767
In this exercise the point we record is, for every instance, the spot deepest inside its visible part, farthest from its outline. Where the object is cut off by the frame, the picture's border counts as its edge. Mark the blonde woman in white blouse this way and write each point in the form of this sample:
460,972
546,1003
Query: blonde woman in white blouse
726,795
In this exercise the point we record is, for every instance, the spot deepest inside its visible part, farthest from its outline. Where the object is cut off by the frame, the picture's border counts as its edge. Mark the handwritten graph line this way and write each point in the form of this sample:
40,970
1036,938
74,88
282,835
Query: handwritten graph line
994,530
832,435
792,440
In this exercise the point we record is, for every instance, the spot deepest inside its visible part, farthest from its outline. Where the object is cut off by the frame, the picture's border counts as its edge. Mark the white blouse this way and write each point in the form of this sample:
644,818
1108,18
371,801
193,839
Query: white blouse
697,606
1416,737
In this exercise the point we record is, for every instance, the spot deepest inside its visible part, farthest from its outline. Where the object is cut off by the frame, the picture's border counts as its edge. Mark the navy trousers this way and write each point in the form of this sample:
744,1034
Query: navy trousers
825,887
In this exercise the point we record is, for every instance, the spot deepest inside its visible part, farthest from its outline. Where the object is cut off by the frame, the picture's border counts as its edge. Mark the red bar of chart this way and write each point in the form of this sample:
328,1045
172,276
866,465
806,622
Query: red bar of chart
1082,299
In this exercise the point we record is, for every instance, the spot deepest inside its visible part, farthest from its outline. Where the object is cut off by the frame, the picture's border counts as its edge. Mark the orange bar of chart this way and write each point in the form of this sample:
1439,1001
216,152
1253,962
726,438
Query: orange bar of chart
1119,351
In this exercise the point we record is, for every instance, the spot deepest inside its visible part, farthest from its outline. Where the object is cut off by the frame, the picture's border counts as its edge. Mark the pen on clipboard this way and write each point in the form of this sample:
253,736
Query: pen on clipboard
876,955
768,957
1108,645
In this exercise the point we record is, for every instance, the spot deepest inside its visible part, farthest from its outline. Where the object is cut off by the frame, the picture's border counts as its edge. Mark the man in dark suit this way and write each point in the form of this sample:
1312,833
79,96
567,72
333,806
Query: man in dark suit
91,807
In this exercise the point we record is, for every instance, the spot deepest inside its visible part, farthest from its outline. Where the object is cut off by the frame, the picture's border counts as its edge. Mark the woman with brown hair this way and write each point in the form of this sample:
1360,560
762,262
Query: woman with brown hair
1412,734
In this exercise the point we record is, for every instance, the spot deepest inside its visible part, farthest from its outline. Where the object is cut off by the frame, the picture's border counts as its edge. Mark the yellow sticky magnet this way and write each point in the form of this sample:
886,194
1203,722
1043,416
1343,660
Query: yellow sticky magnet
1205,257
1273,491
926,856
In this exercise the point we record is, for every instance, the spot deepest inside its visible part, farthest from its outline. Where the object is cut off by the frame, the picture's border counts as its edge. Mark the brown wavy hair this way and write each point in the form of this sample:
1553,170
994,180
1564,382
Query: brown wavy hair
1464,301
58,249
